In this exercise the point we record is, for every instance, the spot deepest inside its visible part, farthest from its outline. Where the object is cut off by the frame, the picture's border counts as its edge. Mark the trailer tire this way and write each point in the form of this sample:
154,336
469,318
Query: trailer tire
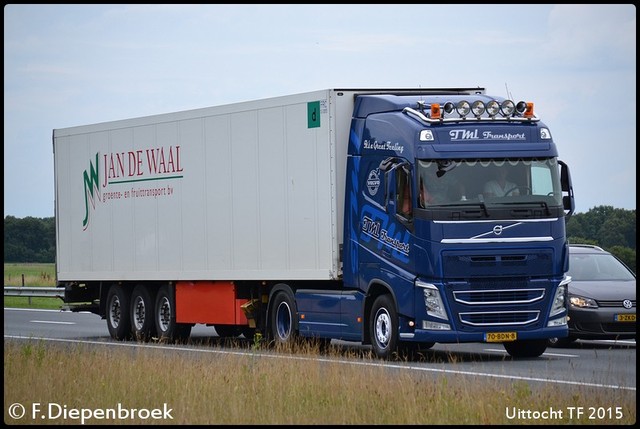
143,325
283,318
165,318
383,327
117,313
526,348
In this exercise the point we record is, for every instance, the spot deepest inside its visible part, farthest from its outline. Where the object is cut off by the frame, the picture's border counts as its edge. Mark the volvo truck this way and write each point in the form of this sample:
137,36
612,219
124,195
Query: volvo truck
376,216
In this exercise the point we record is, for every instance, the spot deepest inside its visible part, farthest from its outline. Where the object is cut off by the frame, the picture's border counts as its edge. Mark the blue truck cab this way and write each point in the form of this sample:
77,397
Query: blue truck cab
432,252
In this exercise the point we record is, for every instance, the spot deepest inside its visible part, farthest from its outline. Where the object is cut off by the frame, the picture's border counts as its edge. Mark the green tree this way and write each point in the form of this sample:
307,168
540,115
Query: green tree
626,255
29,240
612,229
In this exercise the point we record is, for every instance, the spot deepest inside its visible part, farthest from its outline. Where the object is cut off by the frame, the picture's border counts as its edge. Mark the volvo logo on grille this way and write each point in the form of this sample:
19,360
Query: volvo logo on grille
497,230
627,303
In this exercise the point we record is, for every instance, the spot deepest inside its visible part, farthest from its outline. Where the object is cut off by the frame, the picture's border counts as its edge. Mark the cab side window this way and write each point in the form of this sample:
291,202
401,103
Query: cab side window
403,193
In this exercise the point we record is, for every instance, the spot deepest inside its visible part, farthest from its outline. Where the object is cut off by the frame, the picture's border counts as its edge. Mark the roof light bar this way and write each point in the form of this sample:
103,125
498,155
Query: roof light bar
492,110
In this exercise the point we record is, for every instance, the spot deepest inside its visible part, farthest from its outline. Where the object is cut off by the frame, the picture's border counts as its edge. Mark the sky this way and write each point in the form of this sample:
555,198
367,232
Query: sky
69,65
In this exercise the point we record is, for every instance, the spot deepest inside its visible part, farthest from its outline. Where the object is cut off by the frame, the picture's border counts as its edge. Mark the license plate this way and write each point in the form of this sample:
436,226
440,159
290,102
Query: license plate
499,337
624,317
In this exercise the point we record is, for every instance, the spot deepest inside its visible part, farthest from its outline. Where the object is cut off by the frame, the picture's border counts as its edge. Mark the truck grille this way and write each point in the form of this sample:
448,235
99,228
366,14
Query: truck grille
497,318
501,296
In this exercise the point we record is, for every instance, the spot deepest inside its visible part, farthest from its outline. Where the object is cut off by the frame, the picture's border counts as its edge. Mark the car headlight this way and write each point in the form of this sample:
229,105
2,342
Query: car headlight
582,302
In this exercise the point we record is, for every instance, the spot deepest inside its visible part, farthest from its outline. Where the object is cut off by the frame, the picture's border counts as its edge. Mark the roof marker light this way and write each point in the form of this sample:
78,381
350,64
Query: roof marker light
435,111
545,134
528,112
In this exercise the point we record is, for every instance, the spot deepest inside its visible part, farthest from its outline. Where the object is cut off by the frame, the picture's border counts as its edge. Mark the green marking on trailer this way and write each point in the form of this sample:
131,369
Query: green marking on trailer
313,114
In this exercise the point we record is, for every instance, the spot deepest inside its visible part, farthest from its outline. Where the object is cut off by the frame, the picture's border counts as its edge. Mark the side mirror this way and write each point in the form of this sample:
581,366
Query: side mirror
568,200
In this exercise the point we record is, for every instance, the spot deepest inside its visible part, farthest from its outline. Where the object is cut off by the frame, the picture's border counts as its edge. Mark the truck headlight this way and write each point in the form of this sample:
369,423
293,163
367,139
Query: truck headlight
560,299
432,300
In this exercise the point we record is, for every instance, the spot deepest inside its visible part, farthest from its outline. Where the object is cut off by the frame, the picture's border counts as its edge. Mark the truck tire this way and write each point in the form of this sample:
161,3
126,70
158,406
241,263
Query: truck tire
143,325
165,318
282,318
383,327
117,313
526,348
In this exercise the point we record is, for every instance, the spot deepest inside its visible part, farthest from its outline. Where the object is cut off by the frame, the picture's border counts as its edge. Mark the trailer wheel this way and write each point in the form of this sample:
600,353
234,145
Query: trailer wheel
118,320
383,327
282,318
526,348
142,321
165,318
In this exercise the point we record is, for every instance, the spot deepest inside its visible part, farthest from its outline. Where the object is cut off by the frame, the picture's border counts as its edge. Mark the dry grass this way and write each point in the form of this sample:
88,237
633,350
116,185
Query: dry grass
30,275
33,274
255,388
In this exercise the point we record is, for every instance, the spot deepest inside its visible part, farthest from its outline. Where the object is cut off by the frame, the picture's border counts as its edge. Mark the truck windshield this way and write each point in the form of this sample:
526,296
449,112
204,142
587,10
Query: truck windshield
494,181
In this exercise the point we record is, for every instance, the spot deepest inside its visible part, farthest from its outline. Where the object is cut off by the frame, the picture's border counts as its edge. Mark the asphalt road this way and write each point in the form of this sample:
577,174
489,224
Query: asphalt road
599,364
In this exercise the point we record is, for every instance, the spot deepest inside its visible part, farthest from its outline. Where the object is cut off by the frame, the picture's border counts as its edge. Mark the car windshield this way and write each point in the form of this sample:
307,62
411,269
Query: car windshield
588,266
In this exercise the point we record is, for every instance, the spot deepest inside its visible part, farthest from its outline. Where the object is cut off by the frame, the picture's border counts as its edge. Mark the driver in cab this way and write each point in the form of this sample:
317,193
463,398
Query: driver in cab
500,186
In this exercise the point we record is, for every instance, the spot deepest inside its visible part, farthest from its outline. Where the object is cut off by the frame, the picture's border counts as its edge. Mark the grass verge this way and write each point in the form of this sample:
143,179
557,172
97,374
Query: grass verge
250,387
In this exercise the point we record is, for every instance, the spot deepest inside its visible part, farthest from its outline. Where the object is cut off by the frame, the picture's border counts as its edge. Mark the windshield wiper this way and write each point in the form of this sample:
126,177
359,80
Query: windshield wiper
483,206
546,206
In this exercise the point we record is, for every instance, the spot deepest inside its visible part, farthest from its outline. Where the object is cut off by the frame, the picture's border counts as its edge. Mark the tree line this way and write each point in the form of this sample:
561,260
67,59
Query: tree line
33,239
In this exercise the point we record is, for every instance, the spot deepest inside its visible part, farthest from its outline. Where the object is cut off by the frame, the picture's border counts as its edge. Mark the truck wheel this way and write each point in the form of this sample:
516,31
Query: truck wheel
165,318
282,318
117,316
526,348
142,321
383,327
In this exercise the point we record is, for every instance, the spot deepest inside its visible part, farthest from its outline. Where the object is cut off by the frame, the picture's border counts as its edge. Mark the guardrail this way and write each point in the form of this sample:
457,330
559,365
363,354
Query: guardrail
42,292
